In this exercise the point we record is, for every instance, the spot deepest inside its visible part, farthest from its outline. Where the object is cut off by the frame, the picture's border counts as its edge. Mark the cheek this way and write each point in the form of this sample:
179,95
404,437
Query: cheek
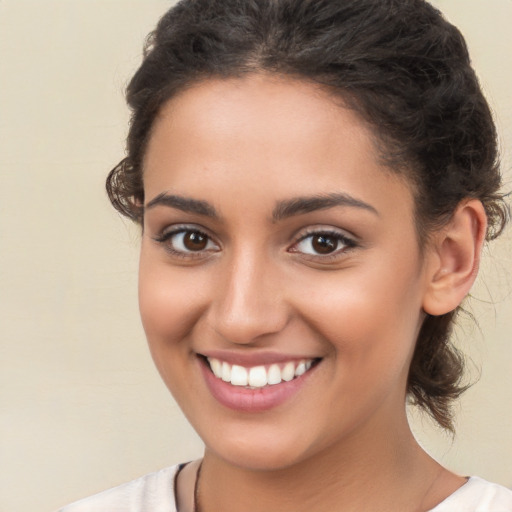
170,303
168,316
368,317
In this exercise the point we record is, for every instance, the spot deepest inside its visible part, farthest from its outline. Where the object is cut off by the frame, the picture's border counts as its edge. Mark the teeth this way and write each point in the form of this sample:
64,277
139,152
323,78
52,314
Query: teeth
258,376
216,367
239,376
226,372
301,369
288,372
274,374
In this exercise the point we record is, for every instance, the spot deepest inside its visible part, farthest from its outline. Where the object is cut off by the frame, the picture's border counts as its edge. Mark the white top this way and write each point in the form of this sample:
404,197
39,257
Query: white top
477,495
156,493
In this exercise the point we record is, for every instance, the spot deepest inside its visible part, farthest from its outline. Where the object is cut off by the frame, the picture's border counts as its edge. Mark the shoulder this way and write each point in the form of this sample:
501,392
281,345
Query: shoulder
154,492
477,495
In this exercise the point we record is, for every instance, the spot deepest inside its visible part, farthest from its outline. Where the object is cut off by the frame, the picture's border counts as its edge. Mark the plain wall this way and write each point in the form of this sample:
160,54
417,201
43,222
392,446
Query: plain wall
81,406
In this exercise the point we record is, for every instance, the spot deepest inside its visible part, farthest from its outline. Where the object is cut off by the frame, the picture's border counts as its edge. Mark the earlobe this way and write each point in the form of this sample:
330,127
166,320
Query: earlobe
454,258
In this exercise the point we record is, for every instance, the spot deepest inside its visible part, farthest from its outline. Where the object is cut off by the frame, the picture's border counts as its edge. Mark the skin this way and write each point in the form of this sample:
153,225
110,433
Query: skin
342,442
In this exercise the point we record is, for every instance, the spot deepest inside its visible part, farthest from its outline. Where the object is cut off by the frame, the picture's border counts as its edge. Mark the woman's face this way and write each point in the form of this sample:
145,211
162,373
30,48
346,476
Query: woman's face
280,254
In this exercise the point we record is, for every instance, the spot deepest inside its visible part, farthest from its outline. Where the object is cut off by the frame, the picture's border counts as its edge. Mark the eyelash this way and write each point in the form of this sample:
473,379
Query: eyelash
346,243
165,238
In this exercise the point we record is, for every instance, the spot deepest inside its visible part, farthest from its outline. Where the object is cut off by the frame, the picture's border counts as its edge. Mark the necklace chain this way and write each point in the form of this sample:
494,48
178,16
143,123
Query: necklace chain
196,489
197,507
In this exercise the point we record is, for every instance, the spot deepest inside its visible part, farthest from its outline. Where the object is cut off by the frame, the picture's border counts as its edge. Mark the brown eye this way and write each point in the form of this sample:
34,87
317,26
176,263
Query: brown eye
195,241
324,244
187,241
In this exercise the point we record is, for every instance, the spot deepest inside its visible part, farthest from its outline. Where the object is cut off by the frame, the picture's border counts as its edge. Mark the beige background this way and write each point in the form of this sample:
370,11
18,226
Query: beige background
82,408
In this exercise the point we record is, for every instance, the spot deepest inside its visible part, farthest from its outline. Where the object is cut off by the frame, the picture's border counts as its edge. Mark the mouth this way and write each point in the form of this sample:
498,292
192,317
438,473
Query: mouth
260,376
255,383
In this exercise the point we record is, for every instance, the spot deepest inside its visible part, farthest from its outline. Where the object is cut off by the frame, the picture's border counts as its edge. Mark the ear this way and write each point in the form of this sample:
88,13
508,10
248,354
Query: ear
453,258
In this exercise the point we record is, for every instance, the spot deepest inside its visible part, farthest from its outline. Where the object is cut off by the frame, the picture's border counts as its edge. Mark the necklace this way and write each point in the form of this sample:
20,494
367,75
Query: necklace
197,507
196,489
430,487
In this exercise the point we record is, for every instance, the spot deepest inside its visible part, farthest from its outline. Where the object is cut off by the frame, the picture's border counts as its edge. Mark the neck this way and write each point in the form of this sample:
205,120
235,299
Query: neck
366,472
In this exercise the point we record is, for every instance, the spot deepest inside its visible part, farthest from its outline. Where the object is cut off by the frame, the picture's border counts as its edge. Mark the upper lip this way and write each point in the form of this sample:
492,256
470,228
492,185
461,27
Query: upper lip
254,358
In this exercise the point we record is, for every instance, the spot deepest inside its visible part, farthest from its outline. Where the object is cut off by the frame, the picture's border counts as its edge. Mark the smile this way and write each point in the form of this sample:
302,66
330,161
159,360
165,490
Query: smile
261,376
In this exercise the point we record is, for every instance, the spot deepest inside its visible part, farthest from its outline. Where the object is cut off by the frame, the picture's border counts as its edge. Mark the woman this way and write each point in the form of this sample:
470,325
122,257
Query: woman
314,181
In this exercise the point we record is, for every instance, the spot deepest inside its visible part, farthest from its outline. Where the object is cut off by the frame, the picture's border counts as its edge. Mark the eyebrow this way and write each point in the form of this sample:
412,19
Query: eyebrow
185,204
283,209
302,205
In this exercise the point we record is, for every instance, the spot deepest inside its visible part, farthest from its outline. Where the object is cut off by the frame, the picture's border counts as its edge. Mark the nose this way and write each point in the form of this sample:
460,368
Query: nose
248,303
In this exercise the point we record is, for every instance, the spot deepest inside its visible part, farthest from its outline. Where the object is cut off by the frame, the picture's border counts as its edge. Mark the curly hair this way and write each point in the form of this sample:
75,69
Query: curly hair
398,63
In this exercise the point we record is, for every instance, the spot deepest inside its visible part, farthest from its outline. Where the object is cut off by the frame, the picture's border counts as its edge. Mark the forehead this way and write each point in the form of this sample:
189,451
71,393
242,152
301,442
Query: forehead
268,134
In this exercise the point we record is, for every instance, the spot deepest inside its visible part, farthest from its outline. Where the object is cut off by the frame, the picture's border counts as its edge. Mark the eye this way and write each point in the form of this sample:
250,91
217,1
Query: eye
323,243
187,241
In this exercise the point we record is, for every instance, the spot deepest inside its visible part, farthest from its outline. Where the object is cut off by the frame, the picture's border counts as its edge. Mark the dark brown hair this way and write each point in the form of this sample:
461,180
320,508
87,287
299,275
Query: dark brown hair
398,63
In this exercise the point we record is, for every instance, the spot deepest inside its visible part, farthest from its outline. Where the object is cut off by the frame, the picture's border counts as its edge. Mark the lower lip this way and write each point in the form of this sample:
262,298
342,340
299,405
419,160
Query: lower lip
243,399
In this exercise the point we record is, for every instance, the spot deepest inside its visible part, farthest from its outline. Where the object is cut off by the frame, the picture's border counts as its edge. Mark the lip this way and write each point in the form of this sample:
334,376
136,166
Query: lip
247,400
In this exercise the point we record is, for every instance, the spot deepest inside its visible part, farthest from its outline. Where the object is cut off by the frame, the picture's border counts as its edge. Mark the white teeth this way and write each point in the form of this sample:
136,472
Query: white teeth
216,367
226,372
301,369
274,374
258,376
288,372
239,376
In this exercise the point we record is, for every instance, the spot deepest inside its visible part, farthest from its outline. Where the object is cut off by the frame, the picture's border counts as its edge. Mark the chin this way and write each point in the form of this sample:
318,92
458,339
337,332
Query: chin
264,447
259,457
